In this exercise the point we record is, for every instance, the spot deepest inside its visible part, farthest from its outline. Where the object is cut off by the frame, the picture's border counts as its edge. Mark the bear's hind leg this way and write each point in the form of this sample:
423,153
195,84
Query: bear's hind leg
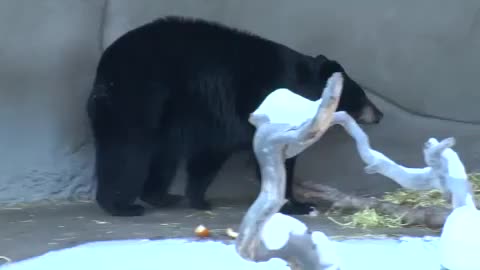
202,168
293,207
121,167
163,169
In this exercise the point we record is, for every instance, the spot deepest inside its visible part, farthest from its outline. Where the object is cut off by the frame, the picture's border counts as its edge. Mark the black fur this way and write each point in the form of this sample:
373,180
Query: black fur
182,88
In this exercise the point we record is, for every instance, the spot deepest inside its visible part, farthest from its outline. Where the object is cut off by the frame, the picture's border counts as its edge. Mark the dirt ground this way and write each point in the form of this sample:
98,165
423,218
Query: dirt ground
32,231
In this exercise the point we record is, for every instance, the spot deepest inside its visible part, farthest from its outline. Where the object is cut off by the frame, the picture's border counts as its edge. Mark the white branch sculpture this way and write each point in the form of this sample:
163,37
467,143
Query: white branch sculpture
266,234
445,170
273,144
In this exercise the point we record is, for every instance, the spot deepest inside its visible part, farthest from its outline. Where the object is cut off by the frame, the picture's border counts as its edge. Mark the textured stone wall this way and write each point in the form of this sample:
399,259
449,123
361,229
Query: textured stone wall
416,58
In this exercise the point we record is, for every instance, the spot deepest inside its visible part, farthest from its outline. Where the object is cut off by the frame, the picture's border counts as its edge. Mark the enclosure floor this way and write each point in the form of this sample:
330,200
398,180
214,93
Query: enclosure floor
34,230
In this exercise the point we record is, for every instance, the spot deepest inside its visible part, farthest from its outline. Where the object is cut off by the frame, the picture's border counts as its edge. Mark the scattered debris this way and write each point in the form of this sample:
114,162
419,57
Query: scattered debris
202,231
26,221
208,213
63,239
231,233
40,203
170,224
101,222
5,259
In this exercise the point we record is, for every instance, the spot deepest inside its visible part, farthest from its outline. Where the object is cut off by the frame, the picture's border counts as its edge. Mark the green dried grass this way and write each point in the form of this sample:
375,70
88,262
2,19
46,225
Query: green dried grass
475,179
416,199
369,218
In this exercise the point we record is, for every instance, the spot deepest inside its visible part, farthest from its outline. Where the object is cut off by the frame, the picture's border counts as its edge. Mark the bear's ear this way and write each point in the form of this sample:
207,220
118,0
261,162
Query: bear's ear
327,68
320,58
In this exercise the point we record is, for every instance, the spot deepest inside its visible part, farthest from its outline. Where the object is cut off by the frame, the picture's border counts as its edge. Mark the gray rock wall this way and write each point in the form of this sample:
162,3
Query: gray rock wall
418,59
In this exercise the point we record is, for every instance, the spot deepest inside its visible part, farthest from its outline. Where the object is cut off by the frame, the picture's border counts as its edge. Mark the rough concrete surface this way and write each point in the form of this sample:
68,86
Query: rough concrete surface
33,231
51,49
48,52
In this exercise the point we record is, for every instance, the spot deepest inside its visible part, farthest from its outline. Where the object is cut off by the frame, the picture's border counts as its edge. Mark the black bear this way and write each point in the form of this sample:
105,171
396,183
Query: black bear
183,88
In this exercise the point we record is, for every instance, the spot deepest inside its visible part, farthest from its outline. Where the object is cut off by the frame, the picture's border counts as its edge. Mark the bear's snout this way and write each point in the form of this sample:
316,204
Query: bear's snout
370,114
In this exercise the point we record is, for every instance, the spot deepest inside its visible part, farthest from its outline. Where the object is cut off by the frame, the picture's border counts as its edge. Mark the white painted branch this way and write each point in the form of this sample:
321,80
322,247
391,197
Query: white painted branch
444,170
288,238
273,143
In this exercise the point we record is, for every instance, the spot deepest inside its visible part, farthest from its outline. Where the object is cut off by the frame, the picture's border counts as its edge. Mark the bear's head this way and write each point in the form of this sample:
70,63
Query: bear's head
353,100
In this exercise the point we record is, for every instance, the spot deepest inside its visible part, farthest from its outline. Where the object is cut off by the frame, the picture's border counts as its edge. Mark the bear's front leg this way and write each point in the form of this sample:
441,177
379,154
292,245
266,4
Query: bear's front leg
202,168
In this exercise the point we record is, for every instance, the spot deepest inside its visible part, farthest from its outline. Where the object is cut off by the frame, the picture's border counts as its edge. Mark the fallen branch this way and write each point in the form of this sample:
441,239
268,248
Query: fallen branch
432,217
273,144
444,172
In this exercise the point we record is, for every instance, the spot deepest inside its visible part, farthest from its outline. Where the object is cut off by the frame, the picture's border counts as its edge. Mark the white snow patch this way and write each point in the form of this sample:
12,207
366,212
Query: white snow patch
277,229
145,255
409,253
460,239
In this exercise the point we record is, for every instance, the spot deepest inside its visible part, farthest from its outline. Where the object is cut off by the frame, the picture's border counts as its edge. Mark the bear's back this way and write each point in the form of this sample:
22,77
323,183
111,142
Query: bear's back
207,74
176,50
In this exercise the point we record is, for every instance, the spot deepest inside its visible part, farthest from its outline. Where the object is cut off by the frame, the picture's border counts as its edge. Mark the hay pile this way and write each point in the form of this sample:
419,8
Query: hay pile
369,218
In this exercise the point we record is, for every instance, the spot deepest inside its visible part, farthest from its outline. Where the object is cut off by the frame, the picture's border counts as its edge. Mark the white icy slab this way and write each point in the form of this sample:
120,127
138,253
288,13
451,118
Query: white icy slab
460,239
145,255
410,253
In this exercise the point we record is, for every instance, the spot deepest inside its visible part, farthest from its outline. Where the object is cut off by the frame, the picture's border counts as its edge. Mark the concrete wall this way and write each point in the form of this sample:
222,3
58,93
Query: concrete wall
417,58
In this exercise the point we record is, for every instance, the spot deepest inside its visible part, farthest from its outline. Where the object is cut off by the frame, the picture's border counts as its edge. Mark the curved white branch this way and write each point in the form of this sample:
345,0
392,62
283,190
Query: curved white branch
266,234
444,170
287,237
273,143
